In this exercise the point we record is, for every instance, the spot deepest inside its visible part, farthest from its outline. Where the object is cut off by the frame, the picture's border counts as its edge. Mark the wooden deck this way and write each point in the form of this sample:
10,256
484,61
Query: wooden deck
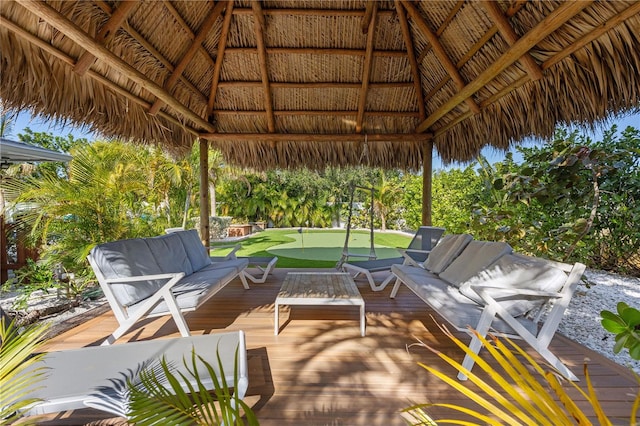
319,371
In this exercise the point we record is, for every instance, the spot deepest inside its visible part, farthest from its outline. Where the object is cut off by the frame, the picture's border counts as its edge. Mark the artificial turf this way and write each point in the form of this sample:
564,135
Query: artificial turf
313,248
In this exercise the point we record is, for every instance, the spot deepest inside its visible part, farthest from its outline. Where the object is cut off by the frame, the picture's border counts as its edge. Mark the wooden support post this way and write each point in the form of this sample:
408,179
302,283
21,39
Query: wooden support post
204,192
427,173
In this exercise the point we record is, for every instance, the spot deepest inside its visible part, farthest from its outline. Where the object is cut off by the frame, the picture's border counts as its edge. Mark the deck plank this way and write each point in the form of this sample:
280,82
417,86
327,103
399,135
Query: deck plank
319,370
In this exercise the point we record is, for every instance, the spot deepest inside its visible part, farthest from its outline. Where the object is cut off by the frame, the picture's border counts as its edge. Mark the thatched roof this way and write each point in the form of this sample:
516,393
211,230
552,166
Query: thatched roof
292,82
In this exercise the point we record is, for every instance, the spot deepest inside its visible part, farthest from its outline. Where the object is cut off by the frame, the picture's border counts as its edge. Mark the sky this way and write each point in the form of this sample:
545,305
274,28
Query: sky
24,119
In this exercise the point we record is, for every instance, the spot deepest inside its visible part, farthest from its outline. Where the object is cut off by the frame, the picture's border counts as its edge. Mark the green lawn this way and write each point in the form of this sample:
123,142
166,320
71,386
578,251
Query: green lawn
314,248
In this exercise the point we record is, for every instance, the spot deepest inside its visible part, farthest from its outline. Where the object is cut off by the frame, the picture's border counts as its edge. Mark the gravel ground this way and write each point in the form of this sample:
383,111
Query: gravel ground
581,321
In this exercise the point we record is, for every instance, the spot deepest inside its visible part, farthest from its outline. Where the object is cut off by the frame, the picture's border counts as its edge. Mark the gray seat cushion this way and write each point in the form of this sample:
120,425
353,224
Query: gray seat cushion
516,272
128,258
476,256
196,252
453,306
449,247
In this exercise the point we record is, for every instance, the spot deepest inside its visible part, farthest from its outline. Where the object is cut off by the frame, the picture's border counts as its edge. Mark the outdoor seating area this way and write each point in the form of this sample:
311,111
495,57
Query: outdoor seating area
319,368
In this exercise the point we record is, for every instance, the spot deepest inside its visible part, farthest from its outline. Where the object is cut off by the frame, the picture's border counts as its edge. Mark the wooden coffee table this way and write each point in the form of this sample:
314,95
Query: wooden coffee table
319,288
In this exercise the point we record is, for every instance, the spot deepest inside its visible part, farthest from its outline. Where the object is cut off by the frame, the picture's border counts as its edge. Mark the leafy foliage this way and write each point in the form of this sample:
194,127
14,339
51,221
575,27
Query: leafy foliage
533,395
160,399
16,358
625,324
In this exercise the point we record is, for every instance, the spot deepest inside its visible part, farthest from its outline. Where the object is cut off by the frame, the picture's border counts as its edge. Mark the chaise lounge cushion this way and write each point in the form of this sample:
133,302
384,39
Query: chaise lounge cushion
446,251
475,257
128,258
515,272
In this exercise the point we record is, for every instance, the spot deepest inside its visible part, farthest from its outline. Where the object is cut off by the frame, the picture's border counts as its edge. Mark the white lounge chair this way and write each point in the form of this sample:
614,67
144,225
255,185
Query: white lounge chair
96,376
425,238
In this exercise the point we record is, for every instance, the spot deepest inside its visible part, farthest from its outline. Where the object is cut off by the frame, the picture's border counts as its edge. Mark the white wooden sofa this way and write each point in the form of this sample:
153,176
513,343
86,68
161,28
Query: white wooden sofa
168,274
96,376
485,286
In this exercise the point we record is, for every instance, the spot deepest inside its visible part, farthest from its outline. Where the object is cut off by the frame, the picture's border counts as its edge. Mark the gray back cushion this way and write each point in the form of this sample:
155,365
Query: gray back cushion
445,251
170,254
476,256
516,272
127,258
196,252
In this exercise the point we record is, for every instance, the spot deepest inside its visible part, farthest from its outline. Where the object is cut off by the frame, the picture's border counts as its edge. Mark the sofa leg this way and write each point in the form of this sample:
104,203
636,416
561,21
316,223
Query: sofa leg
395,289
243,278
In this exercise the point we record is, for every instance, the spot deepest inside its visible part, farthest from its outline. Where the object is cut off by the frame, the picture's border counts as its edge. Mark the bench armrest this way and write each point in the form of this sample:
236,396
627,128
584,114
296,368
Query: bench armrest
230,255
408,260
137,278
481,290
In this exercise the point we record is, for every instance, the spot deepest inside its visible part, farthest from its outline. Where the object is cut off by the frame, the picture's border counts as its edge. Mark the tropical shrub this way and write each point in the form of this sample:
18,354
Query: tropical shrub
625,324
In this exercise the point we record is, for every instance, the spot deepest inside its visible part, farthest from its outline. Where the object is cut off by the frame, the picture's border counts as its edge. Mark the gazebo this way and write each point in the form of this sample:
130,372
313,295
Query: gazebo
298,83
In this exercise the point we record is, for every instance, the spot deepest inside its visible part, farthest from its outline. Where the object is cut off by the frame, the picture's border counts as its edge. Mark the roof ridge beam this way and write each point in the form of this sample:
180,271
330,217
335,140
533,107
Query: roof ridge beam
106,33
222,46
527,61
545,27
317,137
82,39
204,29
366,68
415,69
439,51
260,25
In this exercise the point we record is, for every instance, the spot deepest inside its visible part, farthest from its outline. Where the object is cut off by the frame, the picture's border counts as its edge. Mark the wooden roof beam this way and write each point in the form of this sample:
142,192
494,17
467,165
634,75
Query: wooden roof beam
260,25
106,34
318,51
316,137
222,45
527,61
312,12
439,52
151,49
186,28
366,68
204,29
333,113
442,27
77,35
315,85
545,27
415,69
63,57
368,15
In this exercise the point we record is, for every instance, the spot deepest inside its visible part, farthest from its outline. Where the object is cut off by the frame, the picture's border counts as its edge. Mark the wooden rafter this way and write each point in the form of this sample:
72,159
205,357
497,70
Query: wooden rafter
415,70
333,113
316,85
260,27
204,29
106,33
74,33
185,27
439,51
222,45
306,137
442,27
313,12
318,51
368,15
545,27
69,61
527,61
151,49
366,68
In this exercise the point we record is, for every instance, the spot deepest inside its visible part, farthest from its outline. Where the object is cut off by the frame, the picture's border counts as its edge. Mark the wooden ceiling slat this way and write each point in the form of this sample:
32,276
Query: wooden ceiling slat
545,27
439,51
74,33
260,26
203,31
106,33
415,70
222,45
492,7
366,68
318,137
